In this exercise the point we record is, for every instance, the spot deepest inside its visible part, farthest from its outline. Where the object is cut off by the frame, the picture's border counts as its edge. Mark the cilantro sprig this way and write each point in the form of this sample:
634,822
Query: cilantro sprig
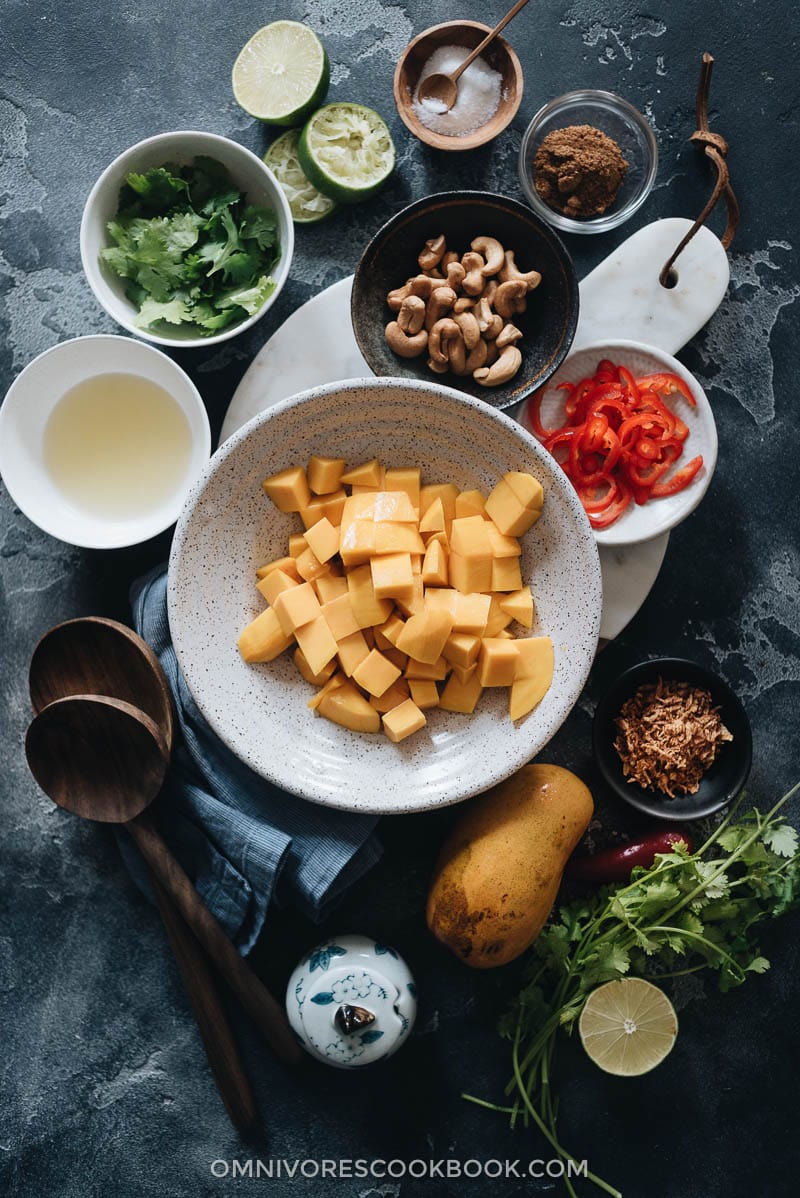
191,250
688,912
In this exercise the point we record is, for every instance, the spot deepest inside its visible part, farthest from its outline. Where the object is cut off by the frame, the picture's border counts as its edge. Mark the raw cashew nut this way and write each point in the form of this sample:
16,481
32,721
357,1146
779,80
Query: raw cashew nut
421,285
411,316
443,331
432,252
508,335
477,357
484,314
455,275
456,355
508,296
450,256
438,367
439,304
434,273
395,298
473,265
464,303
403,346
504,368
492,251
511,272
470,329
494,329
492,353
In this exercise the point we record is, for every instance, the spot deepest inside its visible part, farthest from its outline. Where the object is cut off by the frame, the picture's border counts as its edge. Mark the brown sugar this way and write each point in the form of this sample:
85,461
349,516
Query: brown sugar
668,735
578,170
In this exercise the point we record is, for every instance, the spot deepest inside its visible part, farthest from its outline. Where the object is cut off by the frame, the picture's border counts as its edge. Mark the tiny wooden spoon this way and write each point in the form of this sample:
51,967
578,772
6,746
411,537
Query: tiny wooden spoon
444,88
105,760
93,655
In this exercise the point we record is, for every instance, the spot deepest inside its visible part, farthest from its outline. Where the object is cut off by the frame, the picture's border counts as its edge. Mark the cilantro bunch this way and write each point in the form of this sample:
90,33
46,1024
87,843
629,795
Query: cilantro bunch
192,251
687,912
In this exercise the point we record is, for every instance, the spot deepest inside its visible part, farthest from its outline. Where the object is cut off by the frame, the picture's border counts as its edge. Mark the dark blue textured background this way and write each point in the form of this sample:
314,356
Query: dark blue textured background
103,1084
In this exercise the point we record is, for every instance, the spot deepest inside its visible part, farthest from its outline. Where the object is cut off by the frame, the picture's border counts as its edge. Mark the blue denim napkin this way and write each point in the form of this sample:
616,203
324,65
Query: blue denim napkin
243,841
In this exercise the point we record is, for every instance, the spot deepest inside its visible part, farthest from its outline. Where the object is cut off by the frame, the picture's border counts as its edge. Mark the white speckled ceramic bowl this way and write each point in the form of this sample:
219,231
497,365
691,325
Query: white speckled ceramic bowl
228,528
657,516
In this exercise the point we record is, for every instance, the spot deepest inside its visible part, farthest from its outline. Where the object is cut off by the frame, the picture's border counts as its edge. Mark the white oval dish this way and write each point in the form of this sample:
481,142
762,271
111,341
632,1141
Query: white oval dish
228,528
246,169
27,408
657,516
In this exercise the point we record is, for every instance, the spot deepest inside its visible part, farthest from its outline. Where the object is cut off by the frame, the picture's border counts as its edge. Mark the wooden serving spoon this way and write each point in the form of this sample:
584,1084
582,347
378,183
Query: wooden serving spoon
105,760
444,88
92,655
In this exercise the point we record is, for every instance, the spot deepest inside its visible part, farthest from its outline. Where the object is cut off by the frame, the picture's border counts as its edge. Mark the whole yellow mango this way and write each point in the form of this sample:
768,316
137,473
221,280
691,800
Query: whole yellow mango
500,869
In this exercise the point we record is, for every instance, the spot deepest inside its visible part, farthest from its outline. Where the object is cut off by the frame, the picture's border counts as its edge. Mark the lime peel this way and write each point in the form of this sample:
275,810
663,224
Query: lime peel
307,204
347,152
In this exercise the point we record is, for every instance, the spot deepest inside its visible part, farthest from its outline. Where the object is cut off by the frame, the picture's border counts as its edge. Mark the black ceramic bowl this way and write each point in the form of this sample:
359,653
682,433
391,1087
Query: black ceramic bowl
548,325
719,784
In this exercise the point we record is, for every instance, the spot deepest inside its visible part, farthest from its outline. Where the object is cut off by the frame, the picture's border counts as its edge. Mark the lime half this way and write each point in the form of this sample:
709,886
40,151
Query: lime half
347,152
628,1027
282,74
306,203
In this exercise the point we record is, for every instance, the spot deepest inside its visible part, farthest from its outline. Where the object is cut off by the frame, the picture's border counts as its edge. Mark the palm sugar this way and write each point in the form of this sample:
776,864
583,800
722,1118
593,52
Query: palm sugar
578,170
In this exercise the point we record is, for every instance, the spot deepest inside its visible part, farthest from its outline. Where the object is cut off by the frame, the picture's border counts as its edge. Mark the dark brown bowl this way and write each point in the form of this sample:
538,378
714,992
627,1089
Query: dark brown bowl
548,326
498,55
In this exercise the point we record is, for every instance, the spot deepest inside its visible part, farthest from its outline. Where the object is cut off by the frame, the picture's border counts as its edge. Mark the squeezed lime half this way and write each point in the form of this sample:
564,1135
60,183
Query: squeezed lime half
346,151
281,76
306,203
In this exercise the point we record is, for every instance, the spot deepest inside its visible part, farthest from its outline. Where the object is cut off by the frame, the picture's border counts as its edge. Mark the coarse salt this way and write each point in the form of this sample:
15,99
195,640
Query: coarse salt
479,93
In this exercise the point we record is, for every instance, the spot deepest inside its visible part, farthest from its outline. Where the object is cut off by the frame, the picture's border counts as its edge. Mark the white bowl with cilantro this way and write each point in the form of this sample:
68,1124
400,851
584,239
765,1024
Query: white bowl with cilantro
186,239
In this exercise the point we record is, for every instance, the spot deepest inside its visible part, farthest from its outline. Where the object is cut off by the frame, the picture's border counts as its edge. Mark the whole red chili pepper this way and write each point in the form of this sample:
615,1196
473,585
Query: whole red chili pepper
615,865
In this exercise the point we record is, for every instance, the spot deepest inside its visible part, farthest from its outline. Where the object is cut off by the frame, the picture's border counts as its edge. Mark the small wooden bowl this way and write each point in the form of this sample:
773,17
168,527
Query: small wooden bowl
498,55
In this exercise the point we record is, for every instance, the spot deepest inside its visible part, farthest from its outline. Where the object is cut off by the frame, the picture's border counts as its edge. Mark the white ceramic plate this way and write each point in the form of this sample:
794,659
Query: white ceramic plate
642,523
228,528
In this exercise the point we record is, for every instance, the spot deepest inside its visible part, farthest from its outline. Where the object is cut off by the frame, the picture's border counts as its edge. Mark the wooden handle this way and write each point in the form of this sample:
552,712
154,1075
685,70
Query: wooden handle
489,38
251,992
215,1032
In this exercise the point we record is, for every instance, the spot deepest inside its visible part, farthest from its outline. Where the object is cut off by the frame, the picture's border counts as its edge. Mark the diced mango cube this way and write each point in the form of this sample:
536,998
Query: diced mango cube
392,576
464,673
424,635
469,538
305,669
534,675
502,546
527,489
357,542
317,642
412,601
309,566
519,605
351,651
275,582
506,574
394,506
424,692
324,474
461,696
472,613
347,706
263,638
296,606
434,566
370,474
288,490
447,492
297,543
323,538
470,503
339,616
470,574
435,671
397,538
329,586
330,506
402,721
462,649
497,662
368,608
334,682
508,512
375,673
433,519
358,507
407,479
286,564
396,694
498,619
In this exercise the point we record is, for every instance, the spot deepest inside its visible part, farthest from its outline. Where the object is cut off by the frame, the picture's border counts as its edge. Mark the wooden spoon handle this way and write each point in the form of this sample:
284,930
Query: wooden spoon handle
251,992
489,38
215,1032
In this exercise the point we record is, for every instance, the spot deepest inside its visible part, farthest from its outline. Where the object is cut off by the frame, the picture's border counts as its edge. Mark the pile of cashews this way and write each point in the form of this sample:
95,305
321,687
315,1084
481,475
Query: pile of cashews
461,310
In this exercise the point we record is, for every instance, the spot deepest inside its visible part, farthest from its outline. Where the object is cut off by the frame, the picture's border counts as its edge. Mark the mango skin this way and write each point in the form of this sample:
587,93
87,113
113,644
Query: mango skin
499,871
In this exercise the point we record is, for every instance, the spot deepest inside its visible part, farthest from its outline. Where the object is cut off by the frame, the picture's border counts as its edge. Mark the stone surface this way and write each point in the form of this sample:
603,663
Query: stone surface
103,1084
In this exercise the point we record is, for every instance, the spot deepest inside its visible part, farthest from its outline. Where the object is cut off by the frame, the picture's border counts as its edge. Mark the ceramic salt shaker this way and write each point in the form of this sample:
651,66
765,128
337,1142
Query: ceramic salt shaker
351,1001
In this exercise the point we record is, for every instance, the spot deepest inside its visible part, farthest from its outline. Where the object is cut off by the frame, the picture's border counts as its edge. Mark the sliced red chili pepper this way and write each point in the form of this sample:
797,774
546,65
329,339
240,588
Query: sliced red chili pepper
679,480
535,415
614,509
593,435
627,378
662,381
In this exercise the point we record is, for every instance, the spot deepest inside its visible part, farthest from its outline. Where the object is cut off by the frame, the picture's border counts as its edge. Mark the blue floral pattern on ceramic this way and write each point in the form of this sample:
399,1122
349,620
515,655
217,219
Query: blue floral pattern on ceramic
358,972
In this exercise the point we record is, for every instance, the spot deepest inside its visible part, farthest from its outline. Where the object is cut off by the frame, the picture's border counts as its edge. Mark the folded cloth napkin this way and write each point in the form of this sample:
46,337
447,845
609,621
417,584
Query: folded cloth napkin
241,840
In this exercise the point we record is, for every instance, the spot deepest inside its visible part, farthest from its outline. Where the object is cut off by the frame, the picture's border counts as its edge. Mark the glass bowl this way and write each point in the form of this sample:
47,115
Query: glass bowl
614,117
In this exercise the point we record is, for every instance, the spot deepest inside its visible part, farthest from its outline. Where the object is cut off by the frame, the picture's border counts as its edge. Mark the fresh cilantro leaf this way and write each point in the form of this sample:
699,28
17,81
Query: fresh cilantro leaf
158,189
259,225
781,839
715,886
758,965
241,267
174,312
249,298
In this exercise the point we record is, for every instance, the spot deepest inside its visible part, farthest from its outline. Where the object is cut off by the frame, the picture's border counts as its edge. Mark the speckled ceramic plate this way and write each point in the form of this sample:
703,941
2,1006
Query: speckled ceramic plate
228,528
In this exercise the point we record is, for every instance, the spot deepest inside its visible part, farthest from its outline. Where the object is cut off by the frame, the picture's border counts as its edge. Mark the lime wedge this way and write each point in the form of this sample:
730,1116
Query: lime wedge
282,74
306,203
346,151
628,1027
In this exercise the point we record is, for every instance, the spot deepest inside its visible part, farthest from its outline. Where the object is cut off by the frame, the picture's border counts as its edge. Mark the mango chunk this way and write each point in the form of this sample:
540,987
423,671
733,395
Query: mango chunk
351,651
498,619
289,489
263,639
393,697
402,721
506,574
502,546
323,539
297,543
317,642
447,492
469,538
330,506
329,587
320,679
435,671
424,635
275,582
296,607
497,662
470,503
472,613
462,649
434,566
527,489
370,474
424,692
406,478
508,511
534,675
324,474
412,601
519,605
347,706
469,574
395,506
461,696
334,682
397,538
391,628
340,617
368,608
375,673
433,519
392,576
286,564
464,673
